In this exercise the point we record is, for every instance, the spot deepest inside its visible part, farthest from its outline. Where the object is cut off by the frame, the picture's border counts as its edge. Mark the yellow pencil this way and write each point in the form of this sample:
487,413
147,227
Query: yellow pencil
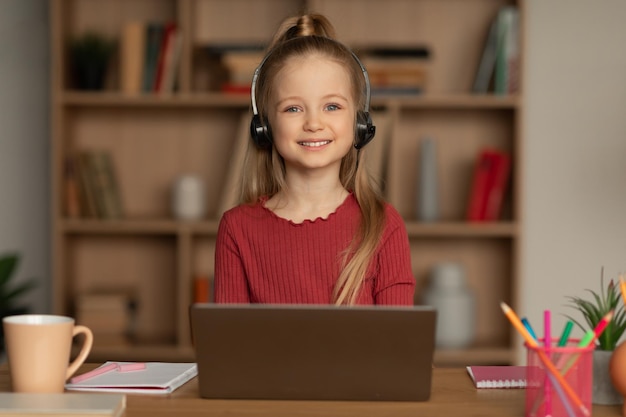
519,326
622,287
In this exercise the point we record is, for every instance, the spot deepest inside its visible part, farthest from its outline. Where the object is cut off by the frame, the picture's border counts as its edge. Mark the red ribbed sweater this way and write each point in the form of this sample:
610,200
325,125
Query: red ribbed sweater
262,258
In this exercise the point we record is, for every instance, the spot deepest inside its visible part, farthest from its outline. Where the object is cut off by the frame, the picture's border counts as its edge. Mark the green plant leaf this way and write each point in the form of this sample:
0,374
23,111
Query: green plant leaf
8,263
596,307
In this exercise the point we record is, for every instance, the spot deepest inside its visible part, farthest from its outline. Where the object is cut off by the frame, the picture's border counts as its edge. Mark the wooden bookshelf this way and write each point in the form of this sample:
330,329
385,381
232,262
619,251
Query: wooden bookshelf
153,138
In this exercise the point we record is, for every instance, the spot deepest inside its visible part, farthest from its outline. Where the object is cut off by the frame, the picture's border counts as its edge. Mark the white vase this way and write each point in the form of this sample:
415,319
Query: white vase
428,184
188,198
449,294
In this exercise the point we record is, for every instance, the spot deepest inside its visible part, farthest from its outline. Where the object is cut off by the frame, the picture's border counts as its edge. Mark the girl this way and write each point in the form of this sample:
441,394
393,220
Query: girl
312,228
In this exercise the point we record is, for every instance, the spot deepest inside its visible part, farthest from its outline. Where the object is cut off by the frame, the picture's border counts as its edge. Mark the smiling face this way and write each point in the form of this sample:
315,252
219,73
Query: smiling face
312,113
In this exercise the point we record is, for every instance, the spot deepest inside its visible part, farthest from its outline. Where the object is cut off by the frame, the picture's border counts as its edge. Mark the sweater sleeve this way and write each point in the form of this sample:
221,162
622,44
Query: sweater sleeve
230,283
395,281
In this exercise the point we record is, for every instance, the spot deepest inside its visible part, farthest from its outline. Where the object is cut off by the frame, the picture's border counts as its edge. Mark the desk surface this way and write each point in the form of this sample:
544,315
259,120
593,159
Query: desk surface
453,394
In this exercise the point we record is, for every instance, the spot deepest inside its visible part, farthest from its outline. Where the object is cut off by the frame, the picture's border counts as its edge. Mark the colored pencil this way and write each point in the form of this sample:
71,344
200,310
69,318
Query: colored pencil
516,322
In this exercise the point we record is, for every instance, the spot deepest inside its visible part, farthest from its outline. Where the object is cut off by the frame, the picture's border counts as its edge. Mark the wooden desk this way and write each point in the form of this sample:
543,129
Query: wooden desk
453,395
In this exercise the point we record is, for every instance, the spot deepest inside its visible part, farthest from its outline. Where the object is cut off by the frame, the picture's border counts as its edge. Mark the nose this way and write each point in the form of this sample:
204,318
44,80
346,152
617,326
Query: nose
313,121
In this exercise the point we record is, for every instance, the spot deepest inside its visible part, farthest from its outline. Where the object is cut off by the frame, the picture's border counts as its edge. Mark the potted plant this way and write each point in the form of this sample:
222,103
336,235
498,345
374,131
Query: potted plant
10,291
593,310
90,55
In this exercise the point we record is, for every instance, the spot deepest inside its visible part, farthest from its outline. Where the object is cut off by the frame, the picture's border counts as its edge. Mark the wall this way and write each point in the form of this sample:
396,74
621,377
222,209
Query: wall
24,98
575,152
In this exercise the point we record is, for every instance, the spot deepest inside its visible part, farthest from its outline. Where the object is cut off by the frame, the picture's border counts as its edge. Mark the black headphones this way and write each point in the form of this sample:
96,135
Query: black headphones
262,134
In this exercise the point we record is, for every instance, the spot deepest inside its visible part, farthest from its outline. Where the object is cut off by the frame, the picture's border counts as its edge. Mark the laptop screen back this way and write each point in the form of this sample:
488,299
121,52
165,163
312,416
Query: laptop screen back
312,352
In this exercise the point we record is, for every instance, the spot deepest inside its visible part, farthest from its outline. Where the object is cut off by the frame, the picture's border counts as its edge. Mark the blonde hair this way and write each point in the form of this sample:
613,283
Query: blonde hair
264,171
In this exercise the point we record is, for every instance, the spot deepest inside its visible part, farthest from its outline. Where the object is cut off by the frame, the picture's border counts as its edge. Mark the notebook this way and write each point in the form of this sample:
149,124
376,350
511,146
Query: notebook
498,376
313,352
155,378
62,404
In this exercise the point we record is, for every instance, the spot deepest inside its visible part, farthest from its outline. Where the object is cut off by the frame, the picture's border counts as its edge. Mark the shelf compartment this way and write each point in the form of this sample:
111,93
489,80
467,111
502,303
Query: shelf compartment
185,141
138,226
144,267
458,135
488,266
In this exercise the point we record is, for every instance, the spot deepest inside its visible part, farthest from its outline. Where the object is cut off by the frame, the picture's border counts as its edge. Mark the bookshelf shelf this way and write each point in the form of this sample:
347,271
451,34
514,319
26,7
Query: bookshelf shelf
462,229
153,138
456,101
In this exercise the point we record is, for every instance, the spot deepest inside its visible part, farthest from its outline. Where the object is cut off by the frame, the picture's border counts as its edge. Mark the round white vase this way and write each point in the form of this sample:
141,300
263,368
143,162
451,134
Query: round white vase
454,301
188,198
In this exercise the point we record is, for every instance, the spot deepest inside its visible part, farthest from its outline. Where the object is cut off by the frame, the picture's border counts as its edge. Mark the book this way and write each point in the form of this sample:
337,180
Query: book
165,48
172,62
157,378
489,182
496,187
479,186
71,190
62,404
86,187
498,376
154,37
507,55
104,181
487,63
132,45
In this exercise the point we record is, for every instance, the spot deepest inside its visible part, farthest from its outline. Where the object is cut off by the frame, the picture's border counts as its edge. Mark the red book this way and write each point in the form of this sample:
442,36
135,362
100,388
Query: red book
496,188
166,46
480,184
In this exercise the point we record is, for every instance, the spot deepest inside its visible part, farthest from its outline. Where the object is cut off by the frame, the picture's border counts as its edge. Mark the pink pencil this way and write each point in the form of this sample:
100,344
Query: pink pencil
547,341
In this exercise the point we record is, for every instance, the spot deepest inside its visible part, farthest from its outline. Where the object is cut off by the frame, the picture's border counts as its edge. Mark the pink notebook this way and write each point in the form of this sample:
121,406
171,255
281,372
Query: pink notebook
498,376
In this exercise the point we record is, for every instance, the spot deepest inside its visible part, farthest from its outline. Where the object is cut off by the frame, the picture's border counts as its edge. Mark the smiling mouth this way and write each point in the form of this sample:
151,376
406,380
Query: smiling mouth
315,144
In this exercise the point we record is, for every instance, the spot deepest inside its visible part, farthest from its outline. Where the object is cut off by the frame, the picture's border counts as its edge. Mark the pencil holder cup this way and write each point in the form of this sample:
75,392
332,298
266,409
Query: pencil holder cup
559,380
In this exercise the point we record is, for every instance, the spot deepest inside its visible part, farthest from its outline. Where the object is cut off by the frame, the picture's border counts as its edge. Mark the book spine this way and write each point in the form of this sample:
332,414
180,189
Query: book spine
132,57
107,194
497,186
71,190
488,60
87,186
164,50
479,187
154,36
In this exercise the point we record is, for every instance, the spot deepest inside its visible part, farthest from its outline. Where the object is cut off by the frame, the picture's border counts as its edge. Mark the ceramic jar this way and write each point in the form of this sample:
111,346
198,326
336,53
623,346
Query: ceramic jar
449,294
188,198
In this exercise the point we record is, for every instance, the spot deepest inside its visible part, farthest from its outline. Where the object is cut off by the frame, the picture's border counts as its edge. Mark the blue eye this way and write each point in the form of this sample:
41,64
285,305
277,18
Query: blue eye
292,109
332,107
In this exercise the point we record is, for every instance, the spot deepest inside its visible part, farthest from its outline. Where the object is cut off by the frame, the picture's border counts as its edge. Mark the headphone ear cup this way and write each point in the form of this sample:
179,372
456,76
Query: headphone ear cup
365,129
260,133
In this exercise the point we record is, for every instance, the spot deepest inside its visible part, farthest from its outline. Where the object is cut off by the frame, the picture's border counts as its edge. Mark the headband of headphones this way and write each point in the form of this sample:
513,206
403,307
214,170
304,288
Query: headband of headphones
261,132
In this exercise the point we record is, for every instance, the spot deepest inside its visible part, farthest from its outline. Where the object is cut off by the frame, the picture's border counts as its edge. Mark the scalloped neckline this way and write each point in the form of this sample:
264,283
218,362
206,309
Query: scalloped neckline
343,204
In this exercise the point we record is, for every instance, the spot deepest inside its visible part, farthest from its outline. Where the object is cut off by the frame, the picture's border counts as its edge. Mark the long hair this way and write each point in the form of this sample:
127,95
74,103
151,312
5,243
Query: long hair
264,170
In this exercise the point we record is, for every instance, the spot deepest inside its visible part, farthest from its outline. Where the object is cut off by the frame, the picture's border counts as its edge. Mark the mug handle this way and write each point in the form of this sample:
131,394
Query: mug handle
84,351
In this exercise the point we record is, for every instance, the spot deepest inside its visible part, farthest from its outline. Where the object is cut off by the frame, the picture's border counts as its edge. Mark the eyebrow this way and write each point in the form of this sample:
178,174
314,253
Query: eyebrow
326,97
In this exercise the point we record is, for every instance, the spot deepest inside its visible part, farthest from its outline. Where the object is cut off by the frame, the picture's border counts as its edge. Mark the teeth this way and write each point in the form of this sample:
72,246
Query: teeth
315,144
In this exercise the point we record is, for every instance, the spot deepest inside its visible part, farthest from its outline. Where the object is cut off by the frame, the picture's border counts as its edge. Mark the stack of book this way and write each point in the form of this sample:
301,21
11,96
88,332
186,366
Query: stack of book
91,186
239,62
108,315
149,57
396,71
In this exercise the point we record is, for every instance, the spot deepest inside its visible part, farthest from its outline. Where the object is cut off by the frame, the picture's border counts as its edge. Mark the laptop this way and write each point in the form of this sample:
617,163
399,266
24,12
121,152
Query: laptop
313,352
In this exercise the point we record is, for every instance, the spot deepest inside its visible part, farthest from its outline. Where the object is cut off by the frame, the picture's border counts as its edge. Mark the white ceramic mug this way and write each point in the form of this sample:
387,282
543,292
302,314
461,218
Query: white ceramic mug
38,351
